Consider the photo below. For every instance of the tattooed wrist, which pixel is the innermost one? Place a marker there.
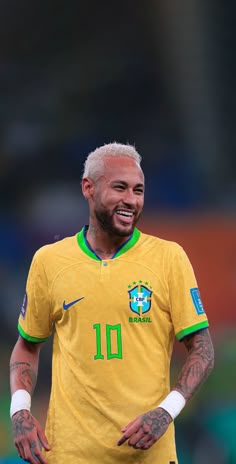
(25, 375)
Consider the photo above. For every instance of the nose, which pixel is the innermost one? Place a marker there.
(129, 197)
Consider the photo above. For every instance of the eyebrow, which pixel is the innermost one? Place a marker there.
(126, 184)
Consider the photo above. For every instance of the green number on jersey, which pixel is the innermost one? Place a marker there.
(116, 329)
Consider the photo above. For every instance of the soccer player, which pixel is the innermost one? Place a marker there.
(115, 299)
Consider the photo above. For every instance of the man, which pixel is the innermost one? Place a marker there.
(115, 298)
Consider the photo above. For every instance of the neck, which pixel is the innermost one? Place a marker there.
(103, 244)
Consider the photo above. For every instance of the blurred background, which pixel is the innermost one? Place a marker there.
(160, 75)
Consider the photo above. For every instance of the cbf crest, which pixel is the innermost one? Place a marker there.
(140, 297)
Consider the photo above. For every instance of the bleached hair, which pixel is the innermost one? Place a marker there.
(94, 163)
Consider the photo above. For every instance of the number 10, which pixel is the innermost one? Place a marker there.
(109, 329)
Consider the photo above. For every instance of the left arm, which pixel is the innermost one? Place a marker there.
(146, 429)
(198, 365)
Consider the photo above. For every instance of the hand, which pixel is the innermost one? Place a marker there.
(145, 430)
(28, 436)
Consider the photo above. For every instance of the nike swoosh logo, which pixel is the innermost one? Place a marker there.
(68, 305)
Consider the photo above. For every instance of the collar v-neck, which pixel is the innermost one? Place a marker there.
(86, 248)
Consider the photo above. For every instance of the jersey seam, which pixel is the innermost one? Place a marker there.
(49, 289)
(171, 260)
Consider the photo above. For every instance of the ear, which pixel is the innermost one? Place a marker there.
(87, 188)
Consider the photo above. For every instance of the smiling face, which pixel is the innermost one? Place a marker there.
(116, 198)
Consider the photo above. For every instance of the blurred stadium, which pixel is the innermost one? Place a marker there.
(160, 75)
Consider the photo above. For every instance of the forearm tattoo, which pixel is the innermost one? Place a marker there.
(22, 423)
(26, 375)
(198, 365)
(155, 422)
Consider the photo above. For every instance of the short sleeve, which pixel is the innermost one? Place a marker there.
(35, 320)
(187, 311)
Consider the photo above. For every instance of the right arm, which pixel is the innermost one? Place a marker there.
(24, 365)
(28, 433)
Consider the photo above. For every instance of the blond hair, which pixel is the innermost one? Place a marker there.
(94, 162)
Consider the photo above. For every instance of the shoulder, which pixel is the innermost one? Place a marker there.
(160, 244)
(50, 259)
(157, 252)
(61, 247)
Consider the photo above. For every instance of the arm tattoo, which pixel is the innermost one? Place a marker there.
(29, 378)
(22, 423)
(15, 365)
(198, 365)
(26, 375)
(155, 422)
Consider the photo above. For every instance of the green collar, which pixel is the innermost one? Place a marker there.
(85, 247)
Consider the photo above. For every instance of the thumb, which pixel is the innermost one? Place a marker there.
(43, 439)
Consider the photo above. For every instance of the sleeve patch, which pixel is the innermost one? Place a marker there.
(24, 306)
(197, 301)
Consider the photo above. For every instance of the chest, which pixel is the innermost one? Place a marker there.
(125, 289)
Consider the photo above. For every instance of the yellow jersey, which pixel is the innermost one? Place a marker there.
(114, 324)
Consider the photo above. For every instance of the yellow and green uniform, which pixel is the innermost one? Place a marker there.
(114, 326)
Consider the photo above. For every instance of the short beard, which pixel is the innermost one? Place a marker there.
(106, 222)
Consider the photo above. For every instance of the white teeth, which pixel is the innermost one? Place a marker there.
(124, 213)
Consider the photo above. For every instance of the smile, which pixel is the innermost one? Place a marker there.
(121, 212)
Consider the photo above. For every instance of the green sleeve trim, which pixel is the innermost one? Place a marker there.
(29, 338)
(192, 329)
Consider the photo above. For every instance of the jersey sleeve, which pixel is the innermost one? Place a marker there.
(35, 320)
(187, 311)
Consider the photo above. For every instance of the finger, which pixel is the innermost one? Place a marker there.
(140, 444)
(21, 450)
(136, 437)
(38, 454)
(43, 439)
(29, 457)
(128, 433)
(149, 443)
(121, 440)
(133, 427)
(128, 425)
(124, 428)
(18, 449)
